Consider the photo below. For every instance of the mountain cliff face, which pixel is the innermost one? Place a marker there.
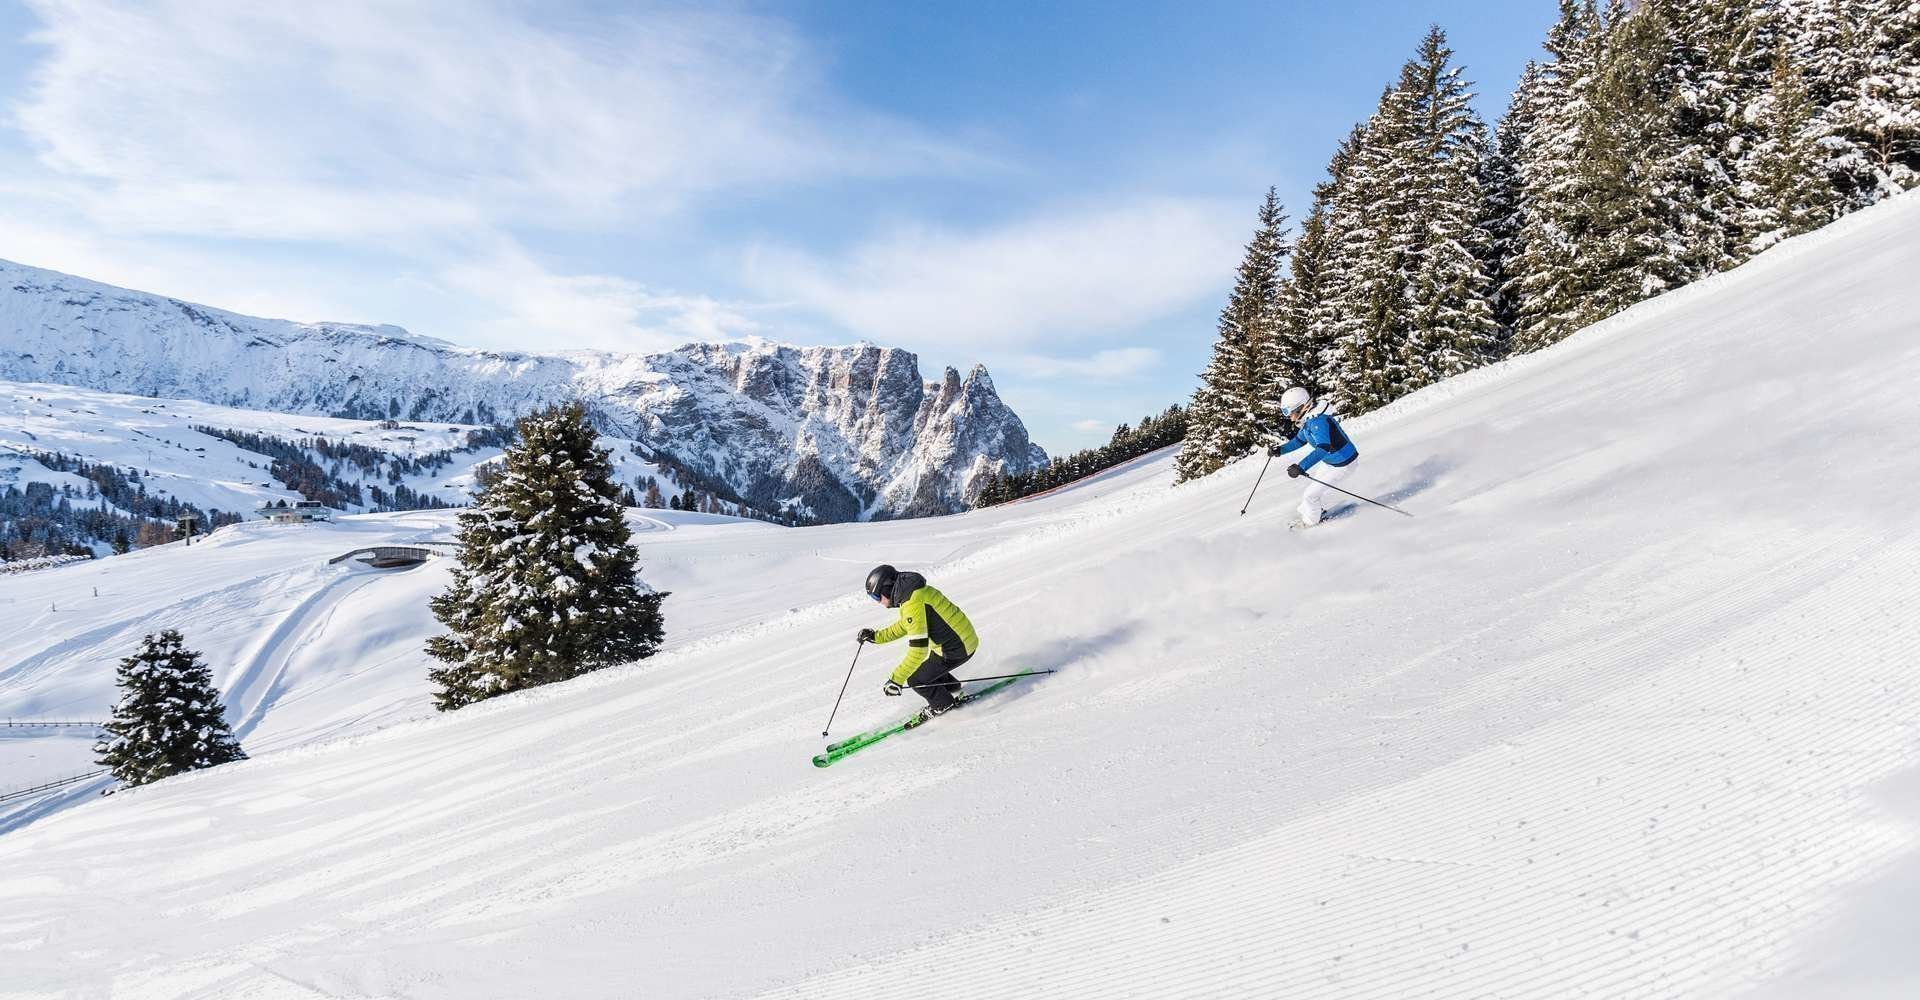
(843, 432)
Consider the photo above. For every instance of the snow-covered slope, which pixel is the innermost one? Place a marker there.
(308, 649)
(1627, 710)
(157, 437)
(848, 431)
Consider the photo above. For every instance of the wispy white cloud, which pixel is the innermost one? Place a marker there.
(252, 285)
(503, 298)
(398, 163)
(358, 119)
(1030, 284)
(526, 304)
(1110, 365)
(164, 140)
(1089, 426)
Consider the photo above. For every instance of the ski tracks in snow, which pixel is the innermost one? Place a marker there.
(1667, 839)
(253, 689)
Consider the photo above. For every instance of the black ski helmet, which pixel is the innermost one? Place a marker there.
(880, 581)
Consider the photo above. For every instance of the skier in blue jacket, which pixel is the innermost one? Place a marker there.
(1332, 450)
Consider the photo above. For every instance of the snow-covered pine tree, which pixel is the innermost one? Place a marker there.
(1304, 332)
(1189, 463)
(1876, 114)
(169, 719)
(1231, 399)
(1548, 280)
(1697, 198)
(1624, 189)
(1784, 185)
(1719, 66)
(546, 588)
(1827, 46)
(1629, 253)
(1405, 285)
(1505, 217)
(1645, 164)
(1296, 346)
(1364, 305)
(1452, 327)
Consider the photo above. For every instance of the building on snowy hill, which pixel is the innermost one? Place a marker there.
(302, 512)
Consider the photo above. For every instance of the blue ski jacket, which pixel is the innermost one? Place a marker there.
(1330, 444)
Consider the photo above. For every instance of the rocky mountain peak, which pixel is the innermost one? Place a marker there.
(845, 432)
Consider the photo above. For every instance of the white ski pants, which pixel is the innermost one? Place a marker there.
(1314, 499)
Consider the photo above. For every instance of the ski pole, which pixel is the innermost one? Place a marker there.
(1256, 485)
(843, 686)
(1357, 496)
(970, 680)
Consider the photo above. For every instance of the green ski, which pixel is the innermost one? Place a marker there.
(861, 741)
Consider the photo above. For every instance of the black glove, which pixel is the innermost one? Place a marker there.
(1273, 451)
(1294, 471)
(892, 689)
(866, 635)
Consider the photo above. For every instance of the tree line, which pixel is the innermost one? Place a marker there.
(295, 464)
(1152, 433)
(1657, 142)
(113, 509)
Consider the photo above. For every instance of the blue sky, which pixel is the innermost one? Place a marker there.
(1058, 190)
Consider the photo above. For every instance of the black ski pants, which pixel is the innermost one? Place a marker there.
(935, 682)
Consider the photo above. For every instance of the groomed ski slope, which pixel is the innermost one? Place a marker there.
(305, 648)
(1628, 710)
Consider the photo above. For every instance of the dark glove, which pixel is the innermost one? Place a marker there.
(1294, 471)
(1273, 451)
(892, 689)
(866, 635)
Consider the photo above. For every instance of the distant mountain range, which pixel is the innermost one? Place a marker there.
(842, 433)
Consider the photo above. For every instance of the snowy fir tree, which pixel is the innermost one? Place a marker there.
(1547, 283)
(169, 719)
(1669, 139)
(1875, 115)
(1407, 297)
(1303, 333)
(1639, 158)
(1505, 215)
(1609, 177)
(1359, 314)
(1658, 142)
(1451, 326)
(1229, 414)
(1784, 188)
(547, 587)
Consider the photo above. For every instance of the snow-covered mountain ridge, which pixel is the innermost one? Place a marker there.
(847, 432)
(204, 456)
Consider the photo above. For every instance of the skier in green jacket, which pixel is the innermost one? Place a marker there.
(939, 637)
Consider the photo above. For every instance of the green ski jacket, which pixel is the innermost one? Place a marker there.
(929, 622)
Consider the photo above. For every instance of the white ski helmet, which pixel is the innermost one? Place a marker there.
(1295, 399)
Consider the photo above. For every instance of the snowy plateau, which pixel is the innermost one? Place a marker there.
(840, 433)
(1630, 708)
